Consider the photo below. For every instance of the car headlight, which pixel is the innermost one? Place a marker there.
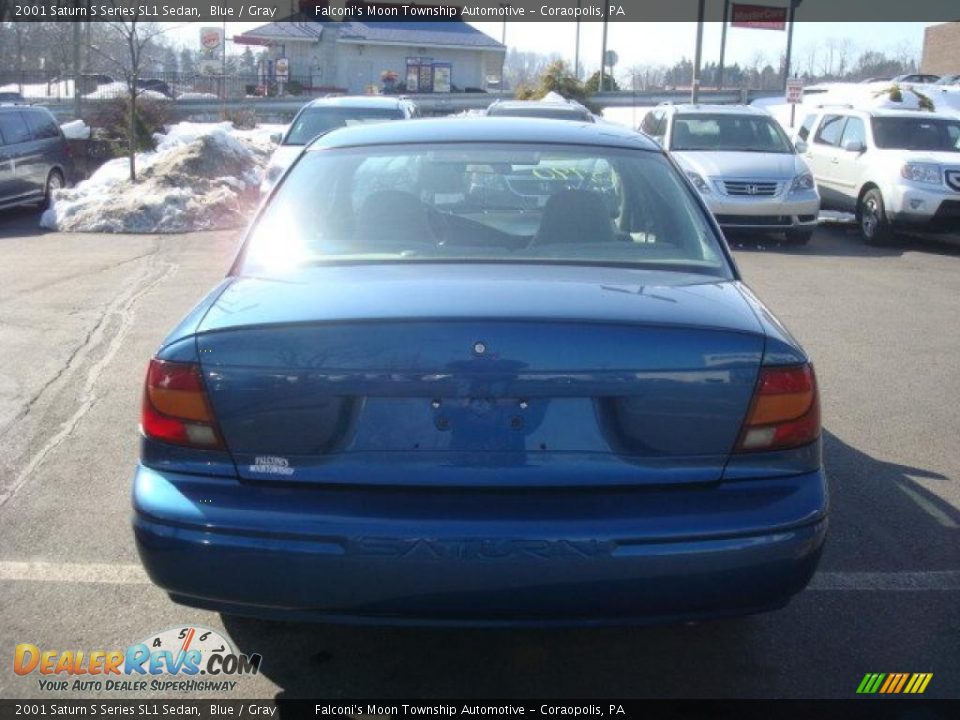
(802, 182)
(698, 182)
(922, 173)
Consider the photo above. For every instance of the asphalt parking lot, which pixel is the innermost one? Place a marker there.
(81, 314)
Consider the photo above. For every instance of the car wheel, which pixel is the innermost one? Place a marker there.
(54, 182)
(872, 218)
(799, 237)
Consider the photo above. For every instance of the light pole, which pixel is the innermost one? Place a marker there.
(723, 43)
(695, 89)
(576, 51)
(603, 48)
(794, 4)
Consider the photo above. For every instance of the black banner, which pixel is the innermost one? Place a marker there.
(866, 709)
(449, 10)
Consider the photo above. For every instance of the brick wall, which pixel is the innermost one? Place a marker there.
(941, 49)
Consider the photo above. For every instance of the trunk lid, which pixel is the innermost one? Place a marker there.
(433, 375)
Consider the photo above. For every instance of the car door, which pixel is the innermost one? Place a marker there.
(823, 158)
(16, 151)
(849, 165)
(48, 144)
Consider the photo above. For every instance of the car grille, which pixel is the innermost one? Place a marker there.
(953, 179)
(751, 188)
(754, 220)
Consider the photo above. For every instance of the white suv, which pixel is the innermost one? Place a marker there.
(893, 168)
(743, 164)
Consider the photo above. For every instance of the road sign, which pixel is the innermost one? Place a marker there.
(211, 38)
(611, 58)
(794, 91)
(759, 17)
(281, 69)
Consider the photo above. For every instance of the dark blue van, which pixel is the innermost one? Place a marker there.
(34, 156)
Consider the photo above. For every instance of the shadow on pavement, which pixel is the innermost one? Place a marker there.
(882, 520)
(839, 240)
(20, 222)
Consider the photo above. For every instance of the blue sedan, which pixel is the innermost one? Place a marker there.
(481, 371)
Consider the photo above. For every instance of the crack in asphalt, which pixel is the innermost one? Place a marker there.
(120, 310)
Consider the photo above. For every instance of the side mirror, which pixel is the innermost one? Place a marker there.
(854, 146)
(801, 146)
(276, 137)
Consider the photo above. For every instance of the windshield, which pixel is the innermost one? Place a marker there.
(722, 132)
(484, 202)
(318, 120)
(916, 133)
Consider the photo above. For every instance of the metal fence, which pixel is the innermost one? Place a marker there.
(38, 85)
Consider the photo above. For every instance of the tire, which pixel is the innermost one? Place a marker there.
(798, 237)
(54, 182)
(872, 219)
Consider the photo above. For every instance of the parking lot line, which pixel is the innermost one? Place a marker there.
(130, 574)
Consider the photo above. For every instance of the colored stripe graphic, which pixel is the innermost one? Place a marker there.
(894, 683)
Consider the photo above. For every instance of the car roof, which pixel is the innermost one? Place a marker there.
(881, 112)
(534, 131)
(688, 109)
(359, 101)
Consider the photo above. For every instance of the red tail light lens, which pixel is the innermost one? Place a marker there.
(785, 412)
(175, 406)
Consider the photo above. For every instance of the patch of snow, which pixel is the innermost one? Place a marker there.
(54, 89)
(202, 176)
(118, 89)
(197, 96)
(76, 130)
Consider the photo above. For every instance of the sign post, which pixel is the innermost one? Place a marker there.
(281, 70)
(794, 96)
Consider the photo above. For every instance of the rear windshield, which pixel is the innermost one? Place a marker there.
(316, 121)
(739, 133)
(484, 202)
(560, 113)
(916, 133)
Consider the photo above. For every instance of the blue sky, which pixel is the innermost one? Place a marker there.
(665, 43)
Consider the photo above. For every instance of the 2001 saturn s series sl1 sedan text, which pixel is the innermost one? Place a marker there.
(478, 371)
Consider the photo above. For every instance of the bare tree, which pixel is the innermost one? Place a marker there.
(132, 43)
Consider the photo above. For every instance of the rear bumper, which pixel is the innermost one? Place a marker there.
(547, 557)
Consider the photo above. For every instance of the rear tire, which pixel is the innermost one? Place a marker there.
(54, 182)
(798, 237)
(872, 219)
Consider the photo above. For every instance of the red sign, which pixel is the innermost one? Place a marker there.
(759, 17)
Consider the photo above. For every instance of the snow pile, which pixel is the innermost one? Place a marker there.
(202, 176)
(37, 91)
(197, 96)
(75, 130)
(119, 89)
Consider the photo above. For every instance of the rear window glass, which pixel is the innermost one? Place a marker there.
(13, 128)
(485, 202)
(917, 133)
(43, 126)
(316, 121)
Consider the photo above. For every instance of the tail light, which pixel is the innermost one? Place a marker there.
(785, 412)
(175, 406)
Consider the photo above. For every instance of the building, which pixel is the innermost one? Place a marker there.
(361, 57)
(941, 49)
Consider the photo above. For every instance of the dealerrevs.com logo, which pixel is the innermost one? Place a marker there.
(181, 659)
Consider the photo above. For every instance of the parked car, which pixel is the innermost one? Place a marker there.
(566, 110)
(325, 114)
(743, 164)
(34, 157)
(404, 405)
(948, 80)
(156, 85)
(8, 96)
(896, 169)
(917, 78)
(885, 78)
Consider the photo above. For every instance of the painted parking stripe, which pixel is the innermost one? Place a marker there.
(131, 574)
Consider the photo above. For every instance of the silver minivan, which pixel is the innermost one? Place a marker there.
(34, 156)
